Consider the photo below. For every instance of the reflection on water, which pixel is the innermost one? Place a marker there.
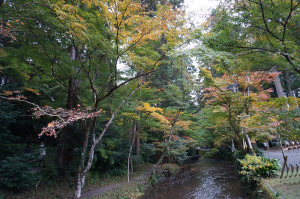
(208, 178)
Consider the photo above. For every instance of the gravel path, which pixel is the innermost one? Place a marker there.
(293, 156)
(102, 190)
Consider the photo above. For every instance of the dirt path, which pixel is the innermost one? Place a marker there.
(102, 190)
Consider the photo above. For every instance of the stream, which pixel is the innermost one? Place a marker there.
(208, 178)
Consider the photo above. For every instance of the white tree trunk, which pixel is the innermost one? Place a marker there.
(267, 142)
(83, 169)
(79, 186)
(232, 147)
(278, 85)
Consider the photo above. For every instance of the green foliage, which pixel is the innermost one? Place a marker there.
(239, 154)
(211, 153)
(252, 169)
(154, 177)
(172, 168)
(177, 148)
(111, 153)
(51, 172)
(7, 116)
(256, 167)
(147, 150)
(225, 153)
(14, 173)
(258, 151)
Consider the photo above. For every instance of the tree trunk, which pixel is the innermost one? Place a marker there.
(131, 165)
(65, 154)
(129, 153)
(138, 139)
(83, 168)
(232, 146)
(78, 187)
(288, 83)
(248, 141)
(236, 133)
(267, 142)
(278, 85)
(240, 146)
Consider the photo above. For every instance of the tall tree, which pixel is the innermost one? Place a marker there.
(258, 28)
(99, 35)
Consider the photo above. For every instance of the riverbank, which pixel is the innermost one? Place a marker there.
(136, 187)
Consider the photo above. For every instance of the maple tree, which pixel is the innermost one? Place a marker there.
(97, 35)
(231, 97)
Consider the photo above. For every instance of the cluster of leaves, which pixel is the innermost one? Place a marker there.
(65, 117)
(172, 168)
(147, 151)
(254, 166)
(278, 116)
(177, 147)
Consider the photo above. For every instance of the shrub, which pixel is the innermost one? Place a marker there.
(225, 153)
(51, 172)
(251, 168)
(239, 154)
(147, 151)
(254, 166)
(211, 153)
(172, 168)
(14, 173)
(258, 151)
(154, 177)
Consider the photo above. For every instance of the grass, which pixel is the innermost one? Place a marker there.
(287, 187)
(132, 190)
(94, 181)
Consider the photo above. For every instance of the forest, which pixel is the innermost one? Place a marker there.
(106, 86)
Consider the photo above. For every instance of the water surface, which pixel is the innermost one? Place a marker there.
(208, 178)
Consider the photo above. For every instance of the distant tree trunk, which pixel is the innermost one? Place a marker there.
(246, 129)
(236, 133)
(288, 83)
(129, 161)
(278, 85)
(65, 149)
(138, 138)
(232, 146)
(267, 142)
(131, 165)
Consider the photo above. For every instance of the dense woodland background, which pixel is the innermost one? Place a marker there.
(108, 85)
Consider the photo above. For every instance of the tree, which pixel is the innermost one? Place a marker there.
(261, 29)
(232, 96)
(123, 32)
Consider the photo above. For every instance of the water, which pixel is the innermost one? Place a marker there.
(208, 178)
